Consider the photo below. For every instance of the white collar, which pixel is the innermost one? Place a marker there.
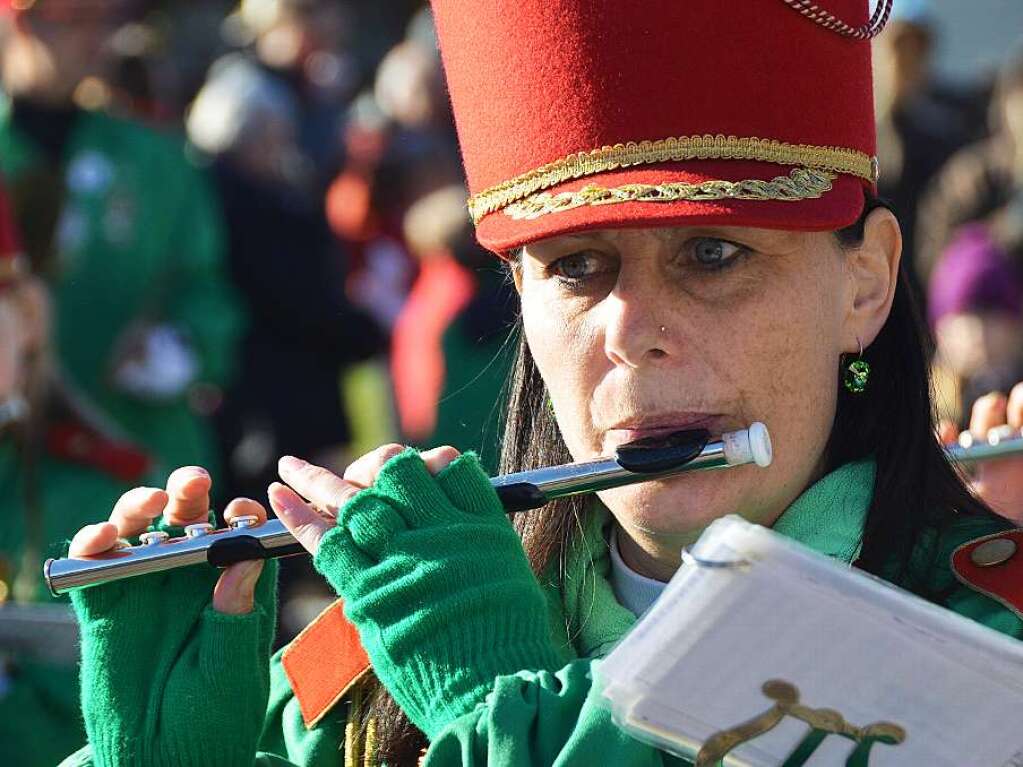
(634, 591)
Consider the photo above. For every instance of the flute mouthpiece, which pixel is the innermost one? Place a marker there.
(752, 445)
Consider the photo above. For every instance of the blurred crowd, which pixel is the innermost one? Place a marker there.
(230, 232)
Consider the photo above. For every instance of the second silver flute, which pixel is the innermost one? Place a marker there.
(638, 461)
(1001, 442)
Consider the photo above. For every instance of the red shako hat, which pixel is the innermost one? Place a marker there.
(590, 114)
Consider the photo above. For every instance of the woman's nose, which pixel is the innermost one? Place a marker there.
(636, 333)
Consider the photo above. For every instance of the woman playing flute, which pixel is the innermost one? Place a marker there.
(731, 265)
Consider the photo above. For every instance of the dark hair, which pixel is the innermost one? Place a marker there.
(916, 487)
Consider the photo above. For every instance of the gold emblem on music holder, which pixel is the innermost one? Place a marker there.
(823, 723)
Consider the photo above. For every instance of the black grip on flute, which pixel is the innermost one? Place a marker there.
(522, 496)
(242, 548)
(653, 455)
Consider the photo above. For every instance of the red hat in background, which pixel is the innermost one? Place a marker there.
(64, 10)
(585, 114)
(12, 261)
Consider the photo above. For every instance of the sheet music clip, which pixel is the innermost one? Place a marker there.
(769, 654)
(688, 558)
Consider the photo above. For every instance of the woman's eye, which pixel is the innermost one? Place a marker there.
(576, 266)
(715, 254)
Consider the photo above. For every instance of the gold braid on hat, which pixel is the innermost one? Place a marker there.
(815, 167)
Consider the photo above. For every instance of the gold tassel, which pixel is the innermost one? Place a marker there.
(353, 730)
(369, 758)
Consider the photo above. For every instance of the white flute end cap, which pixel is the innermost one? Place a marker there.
(752, 445)
(760, 445)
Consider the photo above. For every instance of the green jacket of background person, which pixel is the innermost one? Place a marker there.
(129, 235)
(46, 495)
(180, 702)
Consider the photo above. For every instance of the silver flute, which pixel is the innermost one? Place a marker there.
(1001, 442)
(245, 539)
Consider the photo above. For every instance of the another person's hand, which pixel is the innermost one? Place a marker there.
(175, 665)
(999, 482)
(432, 573)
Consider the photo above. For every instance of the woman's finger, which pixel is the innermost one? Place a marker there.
(235, 592)
(136, 510)
(322, 488)
(438, 458)
(244, 507)
(364, 470)
(1014, 408)
(304, 522)
(188, 489)
(94, 539)
(988, 413)
(948, 434)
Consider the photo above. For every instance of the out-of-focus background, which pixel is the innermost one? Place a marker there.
(233, 231)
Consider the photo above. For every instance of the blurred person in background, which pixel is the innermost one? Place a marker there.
(59, 466)
(123, 226)
(975, 308)
(187, 38)
(138, 66)
(399, 148)
(921, 120)
(291, 274)
(976, 313)
(304, 44)
(451, 354)
(983, 182)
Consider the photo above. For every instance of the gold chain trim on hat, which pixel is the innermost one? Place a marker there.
(800, 184)
(821, 158)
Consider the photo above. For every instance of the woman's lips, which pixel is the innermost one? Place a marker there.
(662, 426)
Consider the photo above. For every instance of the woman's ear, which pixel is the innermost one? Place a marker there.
(515, 268)
(873, 268)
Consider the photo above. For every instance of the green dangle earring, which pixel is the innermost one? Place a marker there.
(856, 374)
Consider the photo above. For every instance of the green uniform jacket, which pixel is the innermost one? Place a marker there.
(139, 238)
(39, 710)
(547, 718)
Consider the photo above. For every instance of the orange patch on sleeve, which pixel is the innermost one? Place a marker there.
(323, 662)
(1003, 581)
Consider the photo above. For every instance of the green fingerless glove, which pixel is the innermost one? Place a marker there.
(436, 581)
(167, 680)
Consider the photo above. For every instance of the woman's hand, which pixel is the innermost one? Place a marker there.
(309, 507)
(999, 482)
(432, 574)
(186, 501)
(175, 665)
